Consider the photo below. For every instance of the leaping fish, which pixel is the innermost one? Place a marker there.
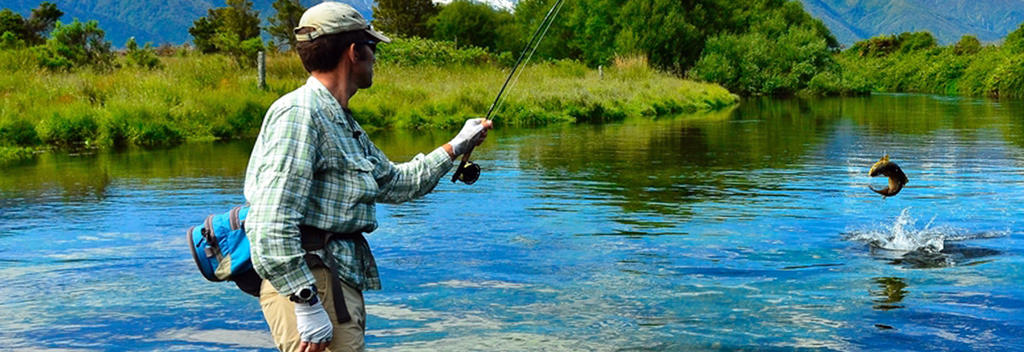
(897, 179)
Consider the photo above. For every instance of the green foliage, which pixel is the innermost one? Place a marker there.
(1007, 80)
(876, 46)
(416, 51)
(243, 52)
(915, 41)
(32, 30)
(209, 97)
(203, 31)
(284, 21)
(966, 68)
(968, 45)
(18, 132)
(10, 155)
(74, 45)
(469, 23)
(675, 36)
(233, 30)
(887, 44)
(1014, 42)
(9, 40)
(41, 22)
(73, 128)
(12, 24)
(404, 18)
(775, 58)
(145, 57)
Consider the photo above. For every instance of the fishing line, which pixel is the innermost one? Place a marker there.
(546, 26)
(468, 172)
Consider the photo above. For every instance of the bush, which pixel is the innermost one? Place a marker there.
(10, 155)
(145, 57)
(968, 45)
(18, 133)
(76, 44)
(9, 40)
(63, 130)
(418, 51)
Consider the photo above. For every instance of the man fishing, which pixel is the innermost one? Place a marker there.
(313, 181)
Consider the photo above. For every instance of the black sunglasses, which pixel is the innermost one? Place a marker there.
(372, 44)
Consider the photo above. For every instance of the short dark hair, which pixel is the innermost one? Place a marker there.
(324, 52)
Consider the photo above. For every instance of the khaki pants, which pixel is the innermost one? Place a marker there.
(280, 315)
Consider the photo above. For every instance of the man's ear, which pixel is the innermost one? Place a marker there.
(352, 53)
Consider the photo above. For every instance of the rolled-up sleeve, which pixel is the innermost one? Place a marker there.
(278, 184)
(410, 180)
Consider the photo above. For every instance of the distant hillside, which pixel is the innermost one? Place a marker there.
(853, 20)
(163, 21)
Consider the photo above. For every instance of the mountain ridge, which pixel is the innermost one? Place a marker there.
(947, 20)
(167, 21)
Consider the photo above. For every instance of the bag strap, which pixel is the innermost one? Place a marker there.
(315, 239)
(212, 247)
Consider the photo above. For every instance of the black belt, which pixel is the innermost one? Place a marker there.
(316, 239)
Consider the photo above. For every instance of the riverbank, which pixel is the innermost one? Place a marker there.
(915, 63)
(205, 97)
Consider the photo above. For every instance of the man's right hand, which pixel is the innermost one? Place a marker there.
(314, 325)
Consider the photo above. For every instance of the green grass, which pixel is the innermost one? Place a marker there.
(204, 97)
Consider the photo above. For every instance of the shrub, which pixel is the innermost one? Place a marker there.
(18, 133)
(63, 130)
(10, 155)
(145, 57)
(76, 44)
(9, 40)
(968, 45)
(417, 51)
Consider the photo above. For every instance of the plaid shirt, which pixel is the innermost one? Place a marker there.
(314, 165)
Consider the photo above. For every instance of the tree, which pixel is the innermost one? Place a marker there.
(233, 30)
(76, 44)
(469, 23)
(33, 30)
(11, 22)
(1014, 42)
(41, 21)
(968, 45)
(145, 57)
(203, 30)
(283, 23)
(406, 18)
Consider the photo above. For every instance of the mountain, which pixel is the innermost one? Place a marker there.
(947, 20)
(163, 21)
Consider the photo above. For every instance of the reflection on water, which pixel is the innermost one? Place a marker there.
(748, 229)
(893, 289)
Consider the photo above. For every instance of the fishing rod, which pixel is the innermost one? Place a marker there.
(468, 172)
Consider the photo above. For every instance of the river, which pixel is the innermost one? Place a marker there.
(751, 228)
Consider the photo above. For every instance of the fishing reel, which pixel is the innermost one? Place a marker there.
(468, 172)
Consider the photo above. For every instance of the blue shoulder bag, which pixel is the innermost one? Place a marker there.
(221, 250)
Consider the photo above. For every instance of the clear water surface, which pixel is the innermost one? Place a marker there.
(745, 229)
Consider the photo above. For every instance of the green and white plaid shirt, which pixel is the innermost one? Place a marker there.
(314, 165)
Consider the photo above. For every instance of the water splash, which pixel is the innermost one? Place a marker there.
(927, 247)
(903, 236)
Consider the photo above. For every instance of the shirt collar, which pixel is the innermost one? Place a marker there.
(333, 108)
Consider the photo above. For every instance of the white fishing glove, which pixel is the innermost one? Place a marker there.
(472, 134)
(313, 323)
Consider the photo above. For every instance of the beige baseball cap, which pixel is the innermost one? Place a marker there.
(331, 17)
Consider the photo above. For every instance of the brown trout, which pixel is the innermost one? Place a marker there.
(897, 179)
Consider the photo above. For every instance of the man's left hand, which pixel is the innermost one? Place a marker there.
(473, 133)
